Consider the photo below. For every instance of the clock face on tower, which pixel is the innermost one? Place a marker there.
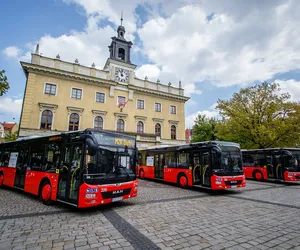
(122, 75)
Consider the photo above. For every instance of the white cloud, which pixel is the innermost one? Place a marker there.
(10, 106)
(237, 44)
(234, 47)
(190, 119)
(149, 70)
(12, 51)
(292, 87)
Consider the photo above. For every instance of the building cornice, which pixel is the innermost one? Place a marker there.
(158, 93)
(34, 68)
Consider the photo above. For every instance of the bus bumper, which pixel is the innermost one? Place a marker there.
(95, 195)
(291, 176)
(227, 182)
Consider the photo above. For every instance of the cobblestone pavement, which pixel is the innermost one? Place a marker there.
(264, 215)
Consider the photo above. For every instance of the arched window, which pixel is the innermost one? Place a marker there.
(121, 54)
(140, 127)
(98, 122)
(173, 132)
(120, 125)
(157, 129)
(74, 122)
(46, 121)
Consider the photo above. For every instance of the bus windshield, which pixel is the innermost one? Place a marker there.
(110, 165)
(295, 163)
(231, 160)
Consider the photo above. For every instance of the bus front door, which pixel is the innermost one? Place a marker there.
(69, 175)
(159, 166)
(21, 167)
(205, 169)
(196, 168)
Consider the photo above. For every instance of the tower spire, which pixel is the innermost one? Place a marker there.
(121, 17)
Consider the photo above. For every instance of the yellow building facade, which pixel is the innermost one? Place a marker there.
(63, 96)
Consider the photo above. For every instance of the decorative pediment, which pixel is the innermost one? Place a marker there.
(158, 120)
(47, 106)
(142, 118)
(121, 115)
(75, 109)
(99, 112)
(173, 122)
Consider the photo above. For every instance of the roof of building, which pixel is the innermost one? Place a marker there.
(8, 125)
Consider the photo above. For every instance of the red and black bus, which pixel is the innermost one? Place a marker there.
(215, 165)
(272, 164)
(83, 168)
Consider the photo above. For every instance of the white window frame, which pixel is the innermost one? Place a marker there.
(100, 93)
(40, 120)
(118, 98)
(70, 113)
(175, 109)
(72, 92)
(137, 104)
(116, 125)
(94, 117)
(160, 107)
(176, 131)
(161, 128)
(143, 127)
(56, 90)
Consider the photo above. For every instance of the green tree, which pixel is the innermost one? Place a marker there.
(4, 85)
(260, 117)
(11, 137)
(204, 129)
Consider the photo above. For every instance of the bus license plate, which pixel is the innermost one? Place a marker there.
(117, 199)
(234, 186)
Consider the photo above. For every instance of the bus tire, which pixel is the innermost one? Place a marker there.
(142, 174)
(182, 181)
(258, 176)
(45, 192)
(1, 179)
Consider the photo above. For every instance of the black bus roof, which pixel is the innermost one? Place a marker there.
(64, 134)
(270, 149)
(193, 145)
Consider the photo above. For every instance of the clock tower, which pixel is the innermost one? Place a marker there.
(118, 63)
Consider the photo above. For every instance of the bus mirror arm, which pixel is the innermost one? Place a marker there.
(92, 146)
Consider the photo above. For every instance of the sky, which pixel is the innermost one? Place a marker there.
(214, 47)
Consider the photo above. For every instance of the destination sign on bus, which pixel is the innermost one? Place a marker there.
(106, 139)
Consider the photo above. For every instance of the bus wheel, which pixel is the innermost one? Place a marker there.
(258, 176)
(142, 174)
(45, 193)
(1, 180)
(182, 181)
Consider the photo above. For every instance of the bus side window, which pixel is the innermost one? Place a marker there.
(36, 161)
(249, 160)
(5, 158)
(183, 160)
(261, 160)
(52, 157)
(1, 153)
(170, 160)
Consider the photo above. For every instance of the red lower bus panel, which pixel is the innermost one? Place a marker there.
(147, 171)
(9, 175)
(33, 180)
(291, 176)
(171, 175)
(227, 182)
(92, 195)
(249, 171)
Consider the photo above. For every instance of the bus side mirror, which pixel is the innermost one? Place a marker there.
(92, 148)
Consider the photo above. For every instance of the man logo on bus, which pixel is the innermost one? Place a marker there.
(117, 192)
